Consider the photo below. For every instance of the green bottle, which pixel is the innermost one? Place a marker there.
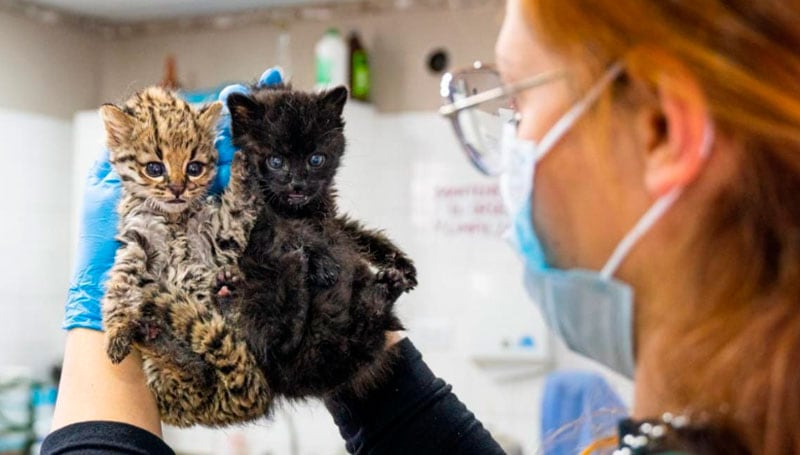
(359, 69)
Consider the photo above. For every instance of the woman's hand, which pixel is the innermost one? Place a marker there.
(392, 338)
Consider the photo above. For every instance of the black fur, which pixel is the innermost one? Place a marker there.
(319, 289)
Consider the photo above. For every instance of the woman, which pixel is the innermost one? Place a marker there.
(702, 126)
(668, 158)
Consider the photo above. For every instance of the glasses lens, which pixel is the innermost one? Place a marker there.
(479, 128)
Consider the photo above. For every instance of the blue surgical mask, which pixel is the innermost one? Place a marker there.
(590, 310)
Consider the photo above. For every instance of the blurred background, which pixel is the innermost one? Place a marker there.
(403, 172)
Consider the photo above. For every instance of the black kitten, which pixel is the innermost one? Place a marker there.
(319, 289)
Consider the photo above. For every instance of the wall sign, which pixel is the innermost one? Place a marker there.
(470, 209)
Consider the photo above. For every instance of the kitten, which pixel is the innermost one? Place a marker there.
(312, 308)
(178, 248)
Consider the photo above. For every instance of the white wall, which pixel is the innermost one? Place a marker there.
(34, 261)
(49, 70)
(48, 73)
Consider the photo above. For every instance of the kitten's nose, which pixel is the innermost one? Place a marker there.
(298, 185)
(176, 188)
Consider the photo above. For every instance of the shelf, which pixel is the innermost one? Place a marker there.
(511, 356)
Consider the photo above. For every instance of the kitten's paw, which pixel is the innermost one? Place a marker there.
(227, 280)
(150, 324)
(224, 292)
(409, 272)
(389, 275)
(118, 344)
(390, 280)
(142, 326)
(228, 276)
(396, 280)
(323, 271)
(148, 331)
(224, 297)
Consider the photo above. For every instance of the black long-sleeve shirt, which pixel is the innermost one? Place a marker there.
(413, 412)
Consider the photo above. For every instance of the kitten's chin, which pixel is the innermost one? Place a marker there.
(172, 207)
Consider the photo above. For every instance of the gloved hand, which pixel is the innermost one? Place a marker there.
(224, 142)
(97, 245)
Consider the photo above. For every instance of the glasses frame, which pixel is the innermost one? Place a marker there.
(454, 106)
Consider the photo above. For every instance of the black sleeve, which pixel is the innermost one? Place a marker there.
(96, 438)
(413, 412)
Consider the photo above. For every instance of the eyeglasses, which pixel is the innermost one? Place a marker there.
(479, 104)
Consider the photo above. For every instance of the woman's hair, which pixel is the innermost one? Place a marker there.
(736, 357)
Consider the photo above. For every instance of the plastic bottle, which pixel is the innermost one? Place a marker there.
(330, 58)
(284, 59)
(359, 68)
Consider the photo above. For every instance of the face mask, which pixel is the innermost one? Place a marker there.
(518, 159)
(589, 310)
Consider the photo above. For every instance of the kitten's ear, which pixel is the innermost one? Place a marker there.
(335, 98)
(209, 115)
(119, 125)
(243, 108)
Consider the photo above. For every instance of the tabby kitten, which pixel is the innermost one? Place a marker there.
(177, 248)
(318, 289)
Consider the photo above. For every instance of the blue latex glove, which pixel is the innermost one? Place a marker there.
(97, 245)
(578, 407)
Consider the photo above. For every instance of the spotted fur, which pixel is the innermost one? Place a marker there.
(174, 241)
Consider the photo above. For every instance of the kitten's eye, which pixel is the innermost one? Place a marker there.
(154, 169)
(275, 162)
(194, 168)
(316, 160)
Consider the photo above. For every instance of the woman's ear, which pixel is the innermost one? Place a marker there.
(680, 130)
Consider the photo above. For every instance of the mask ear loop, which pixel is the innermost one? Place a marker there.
(652, 215)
